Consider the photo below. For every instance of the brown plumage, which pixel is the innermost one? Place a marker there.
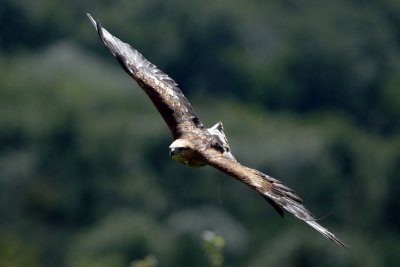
(194, 145)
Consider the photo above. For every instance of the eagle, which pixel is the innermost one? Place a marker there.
(195, 145)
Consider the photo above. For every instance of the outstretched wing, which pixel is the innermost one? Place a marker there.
(162, 90)
(279, 195)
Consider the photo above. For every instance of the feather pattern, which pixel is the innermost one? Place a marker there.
(274, 191)
(291, 202)
(162, 90)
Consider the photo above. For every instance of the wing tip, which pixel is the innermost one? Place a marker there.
(108, 39)
(92, 20)
(333, 238)
(97, 26)
(282, 197)
(325, 232)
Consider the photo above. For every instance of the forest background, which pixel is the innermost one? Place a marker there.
(308, 92)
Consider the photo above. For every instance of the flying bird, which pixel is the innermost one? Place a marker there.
(195, 145)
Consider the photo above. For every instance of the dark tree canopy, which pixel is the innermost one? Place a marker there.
(308, 93)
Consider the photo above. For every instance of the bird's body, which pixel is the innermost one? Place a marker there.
(185, 149)
(194, 145)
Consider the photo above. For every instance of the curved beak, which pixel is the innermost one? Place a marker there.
(171, 151)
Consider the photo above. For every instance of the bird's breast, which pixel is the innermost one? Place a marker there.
(188, 161)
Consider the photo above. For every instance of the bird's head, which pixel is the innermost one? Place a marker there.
(184, 152)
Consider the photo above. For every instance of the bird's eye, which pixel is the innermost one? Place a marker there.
(180, 149)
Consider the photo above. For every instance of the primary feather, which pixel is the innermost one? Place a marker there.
(274, 191)
(162, 90)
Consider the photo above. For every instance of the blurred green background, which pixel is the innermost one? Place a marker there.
(309, 92)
